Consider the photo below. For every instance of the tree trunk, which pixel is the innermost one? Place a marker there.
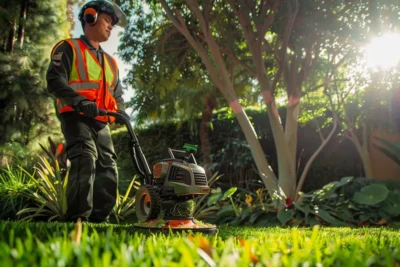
(265, 171)
(4, 45)
(286, 168)
(22, 19)
(364, 155)
(366, 160)
(210, 105)
(292, 117)
(11, 37)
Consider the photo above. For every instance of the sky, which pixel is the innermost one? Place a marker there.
(111, 47)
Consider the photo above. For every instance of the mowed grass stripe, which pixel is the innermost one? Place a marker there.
(51, 244)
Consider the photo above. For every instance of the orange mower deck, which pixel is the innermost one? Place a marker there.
(177, 225)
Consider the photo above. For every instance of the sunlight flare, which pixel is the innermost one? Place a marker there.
(383, 51)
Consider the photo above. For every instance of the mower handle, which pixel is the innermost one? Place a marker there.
(103, 112)
(138, 158)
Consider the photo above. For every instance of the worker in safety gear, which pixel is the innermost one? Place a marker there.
(85, 79)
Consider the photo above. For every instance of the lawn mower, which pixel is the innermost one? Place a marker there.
(165, 200)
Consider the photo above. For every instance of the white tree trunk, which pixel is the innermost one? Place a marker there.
(265, 170)
(364, 155)
(286, 167)
(292, 116)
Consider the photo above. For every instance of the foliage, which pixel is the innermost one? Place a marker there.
(390, 149)
(338, 160)
(15, 154)
(233, 158)
(13, 184)
(107, 245)
(16, 182)
(56, 154)
(172, 80)
(242, 208)
(49, 198)
(202, 210)
(285, 50)
(28, 30)
(125, 204)
(350, 201)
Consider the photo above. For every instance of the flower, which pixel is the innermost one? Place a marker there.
(249, 199)
(288, 202)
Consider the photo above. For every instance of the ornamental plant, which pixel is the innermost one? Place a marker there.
(49, 196)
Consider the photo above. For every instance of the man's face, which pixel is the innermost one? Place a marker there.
(102, 29)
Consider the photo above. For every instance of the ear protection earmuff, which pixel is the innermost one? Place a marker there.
(90, 16)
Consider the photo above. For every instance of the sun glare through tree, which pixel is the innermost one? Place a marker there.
(383, 52)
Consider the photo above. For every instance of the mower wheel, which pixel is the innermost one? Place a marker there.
(148, 203)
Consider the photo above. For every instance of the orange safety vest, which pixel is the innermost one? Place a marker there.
(87, 79)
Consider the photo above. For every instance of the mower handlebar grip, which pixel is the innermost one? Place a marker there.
(126, 120)
(103, 112)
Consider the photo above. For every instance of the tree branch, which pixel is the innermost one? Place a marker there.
(286, 68)
(171, 16)
(270, 18)
(207, 10)
(215, 50)
(180, 24)
(236, 60)
(313, 157)
(245, 22)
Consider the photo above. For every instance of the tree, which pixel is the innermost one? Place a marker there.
(28, 31)
(171, 82)
(360, 96)
(284, 41)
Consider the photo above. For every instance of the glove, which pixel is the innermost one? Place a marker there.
(120, 120)
(88, 108)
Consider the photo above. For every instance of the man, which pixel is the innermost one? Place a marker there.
(85, 79)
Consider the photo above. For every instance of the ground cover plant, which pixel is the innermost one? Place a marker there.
(56, 244)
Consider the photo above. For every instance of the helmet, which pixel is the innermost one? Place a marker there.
(90, 11)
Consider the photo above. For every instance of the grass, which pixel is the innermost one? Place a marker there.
(51, 244)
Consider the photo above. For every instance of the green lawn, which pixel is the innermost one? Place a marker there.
(50, 244)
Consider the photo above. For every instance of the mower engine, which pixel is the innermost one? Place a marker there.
(175, 180)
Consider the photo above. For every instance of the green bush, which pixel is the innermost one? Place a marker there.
(49, 196)
(125, 204)
(348, 202)
(14, 183)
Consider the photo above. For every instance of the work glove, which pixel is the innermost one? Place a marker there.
(88, 108)
(120, 120)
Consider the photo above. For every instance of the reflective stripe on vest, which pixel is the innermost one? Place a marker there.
(84, 86)
(79, 62)
(87, 78)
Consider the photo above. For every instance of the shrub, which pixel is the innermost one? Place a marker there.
(13, 184)
(125, 205)
(350, 201)
(49, 198)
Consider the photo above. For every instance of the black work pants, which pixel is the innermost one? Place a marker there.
(93, 178)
